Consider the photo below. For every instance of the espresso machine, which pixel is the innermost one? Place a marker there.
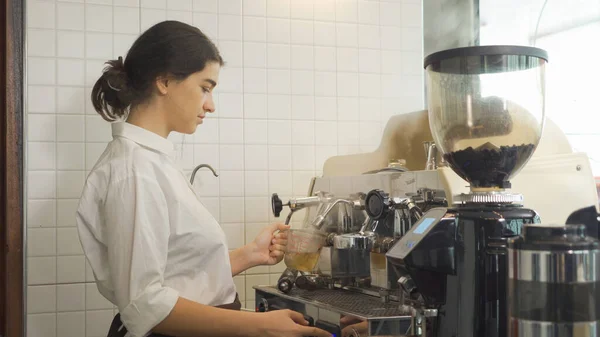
(391, 253)
(337, 274)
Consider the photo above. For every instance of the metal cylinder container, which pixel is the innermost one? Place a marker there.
(554, 282)
(351, 254)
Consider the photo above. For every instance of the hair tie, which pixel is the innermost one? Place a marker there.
(120, 67)
(110, 86)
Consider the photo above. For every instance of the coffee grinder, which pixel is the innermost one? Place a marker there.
(486, 114)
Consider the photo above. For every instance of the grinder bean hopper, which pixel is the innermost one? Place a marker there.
(486, 110)
(486, 114)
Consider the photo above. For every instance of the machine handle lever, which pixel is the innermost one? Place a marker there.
(276, 205)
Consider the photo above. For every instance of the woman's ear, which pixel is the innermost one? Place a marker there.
(162, 84)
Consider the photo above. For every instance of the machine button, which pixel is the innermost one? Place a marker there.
(263, 305)
(329, 327)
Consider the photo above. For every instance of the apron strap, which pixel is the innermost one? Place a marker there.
(236, 305)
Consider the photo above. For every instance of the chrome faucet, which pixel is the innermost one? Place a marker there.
(199, 167)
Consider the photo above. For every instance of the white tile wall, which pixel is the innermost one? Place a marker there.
(304, 80)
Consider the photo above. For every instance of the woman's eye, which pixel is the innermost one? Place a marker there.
(206, 90)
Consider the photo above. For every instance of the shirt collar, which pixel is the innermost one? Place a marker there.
(143, 137)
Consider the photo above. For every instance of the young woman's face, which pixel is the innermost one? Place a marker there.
(189, 100)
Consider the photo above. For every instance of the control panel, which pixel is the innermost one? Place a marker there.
(418, 231)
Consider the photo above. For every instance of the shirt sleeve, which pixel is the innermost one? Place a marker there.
(137, 232)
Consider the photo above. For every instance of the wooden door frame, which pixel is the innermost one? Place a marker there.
(12, 167)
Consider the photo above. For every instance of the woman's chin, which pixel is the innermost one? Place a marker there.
(190, 129)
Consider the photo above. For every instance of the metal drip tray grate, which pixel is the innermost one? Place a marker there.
(345, 301)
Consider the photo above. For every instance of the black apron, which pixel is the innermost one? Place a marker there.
(117, 324)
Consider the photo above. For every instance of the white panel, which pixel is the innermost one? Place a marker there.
(70, 16)
(255, 7)
(256, 158)
(70, 324)
(41, 213)
(41, 325)
(41, 156)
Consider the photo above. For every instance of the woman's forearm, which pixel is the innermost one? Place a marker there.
(192, 319)
(241, 259)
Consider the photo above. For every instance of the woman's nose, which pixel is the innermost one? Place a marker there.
(209, 105)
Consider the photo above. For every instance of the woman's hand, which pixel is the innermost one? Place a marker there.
(286, 323)
(266, 249)
(269, 245)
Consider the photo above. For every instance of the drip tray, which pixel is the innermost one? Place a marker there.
(342, 301)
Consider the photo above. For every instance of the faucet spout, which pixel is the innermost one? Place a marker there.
(199, 167)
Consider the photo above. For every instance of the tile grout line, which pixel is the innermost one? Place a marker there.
(218, 121)
(243, 146)
(337, 71)
(314, 123)
(85, 137)
(291, 96)
(56, 162)
(267, 99)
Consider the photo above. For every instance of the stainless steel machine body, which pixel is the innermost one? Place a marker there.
(353, 286)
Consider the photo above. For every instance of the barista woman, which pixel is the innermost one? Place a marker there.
(155, 250)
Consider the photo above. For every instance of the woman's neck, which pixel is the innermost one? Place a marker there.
(151, 118)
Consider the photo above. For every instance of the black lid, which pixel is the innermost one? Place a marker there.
(376, 204)
(485, 59)
(554, 238)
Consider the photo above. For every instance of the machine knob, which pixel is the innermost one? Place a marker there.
(285, 285)
(286, 281)
(377, 204)
(407, 284)
(307, 282)
(276, 205)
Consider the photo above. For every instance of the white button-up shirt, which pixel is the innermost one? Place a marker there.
(146, 235)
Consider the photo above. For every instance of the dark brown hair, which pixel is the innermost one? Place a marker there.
(169, 48)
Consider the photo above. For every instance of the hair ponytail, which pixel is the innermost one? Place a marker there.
(112, 93)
